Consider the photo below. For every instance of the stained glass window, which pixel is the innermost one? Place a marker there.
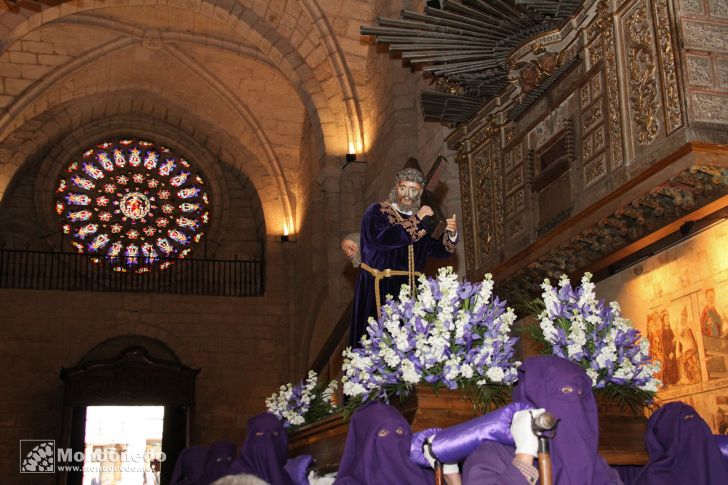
(134, 204)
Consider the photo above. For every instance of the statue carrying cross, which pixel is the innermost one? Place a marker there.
(397, 237)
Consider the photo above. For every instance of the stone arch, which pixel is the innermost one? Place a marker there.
(273, 162)
(252, 22)
(33, 140)
(76, 352)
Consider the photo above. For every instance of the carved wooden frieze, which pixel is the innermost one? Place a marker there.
(486, 185)
(710, 107)
(641, 74)
(705, 36)
(700, 70)
(670, 87)
(593, 140)
(685, 192)
(466, 202)
(691, 6)
(722, 72)
(613, 100)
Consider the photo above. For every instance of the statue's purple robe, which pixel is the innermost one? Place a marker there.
(385, 236)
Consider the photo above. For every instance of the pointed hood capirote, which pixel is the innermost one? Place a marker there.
(377, 450)
(563, 388)
(265, 451)
(682, 449)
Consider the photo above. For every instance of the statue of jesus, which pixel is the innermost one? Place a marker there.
(394, 247)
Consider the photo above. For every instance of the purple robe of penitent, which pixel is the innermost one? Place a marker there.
(564, 389)
(265, 451)
(385, 237)
(377, 450)
(682, 449)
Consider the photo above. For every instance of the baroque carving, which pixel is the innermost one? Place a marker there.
(699, 71)
(709, 37)
(593, 171)
(585, 96)
(600, 22)
(515, 227)
(596, 51)
(670, 87)
(515, 203)
(595, 85)
(692, 188)
(586, 147)
(467, 210)
(514, 180)
(489, 130)
(592, 116)
(723, 72)
(598, 139)
(691, 6)
(719, 8)
(615, 126)
(510, 132)
(710, 107)
(641, 73)
(485, 194)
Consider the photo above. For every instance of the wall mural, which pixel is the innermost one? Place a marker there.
(678, 298)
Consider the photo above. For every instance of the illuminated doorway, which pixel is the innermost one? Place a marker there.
(145, 380)
(123, 445)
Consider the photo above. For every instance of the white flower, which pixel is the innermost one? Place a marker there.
(495, 374)
(593, 375)
(409, 373)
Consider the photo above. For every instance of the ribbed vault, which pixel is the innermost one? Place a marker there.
(256, 71)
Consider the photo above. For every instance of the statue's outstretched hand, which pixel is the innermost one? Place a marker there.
(452, 224)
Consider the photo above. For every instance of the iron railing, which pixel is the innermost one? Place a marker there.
(45, 270)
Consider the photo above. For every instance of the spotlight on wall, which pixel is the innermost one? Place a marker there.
(351, 158)
(285, 237)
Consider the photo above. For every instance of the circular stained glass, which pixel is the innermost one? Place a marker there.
(134, 204)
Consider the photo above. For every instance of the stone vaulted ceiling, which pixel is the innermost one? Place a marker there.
(237, 80)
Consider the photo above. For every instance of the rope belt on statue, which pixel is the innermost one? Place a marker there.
(379, 275)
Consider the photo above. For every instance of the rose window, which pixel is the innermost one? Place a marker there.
(133, 204)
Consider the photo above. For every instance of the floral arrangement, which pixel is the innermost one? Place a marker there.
(574, 325)
(450, 334)
(303, 403)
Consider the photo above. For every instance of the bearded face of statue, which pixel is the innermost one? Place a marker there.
(408, 195)
(351, 249)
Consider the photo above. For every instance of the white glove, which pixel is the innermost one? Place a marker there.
(447, 468)
(526, 441)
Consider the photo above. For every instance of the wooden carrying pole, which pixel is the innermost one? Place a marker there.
(544, 461)
(439, 476)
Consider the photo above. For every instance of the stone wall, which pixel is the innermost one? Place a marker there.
(240, 345)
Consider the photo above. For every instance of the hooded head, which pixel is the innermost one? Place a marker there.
(377, 449)
(219, 456)
(563, 388)
(190, 465)
(682, 449)
(265, 450)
